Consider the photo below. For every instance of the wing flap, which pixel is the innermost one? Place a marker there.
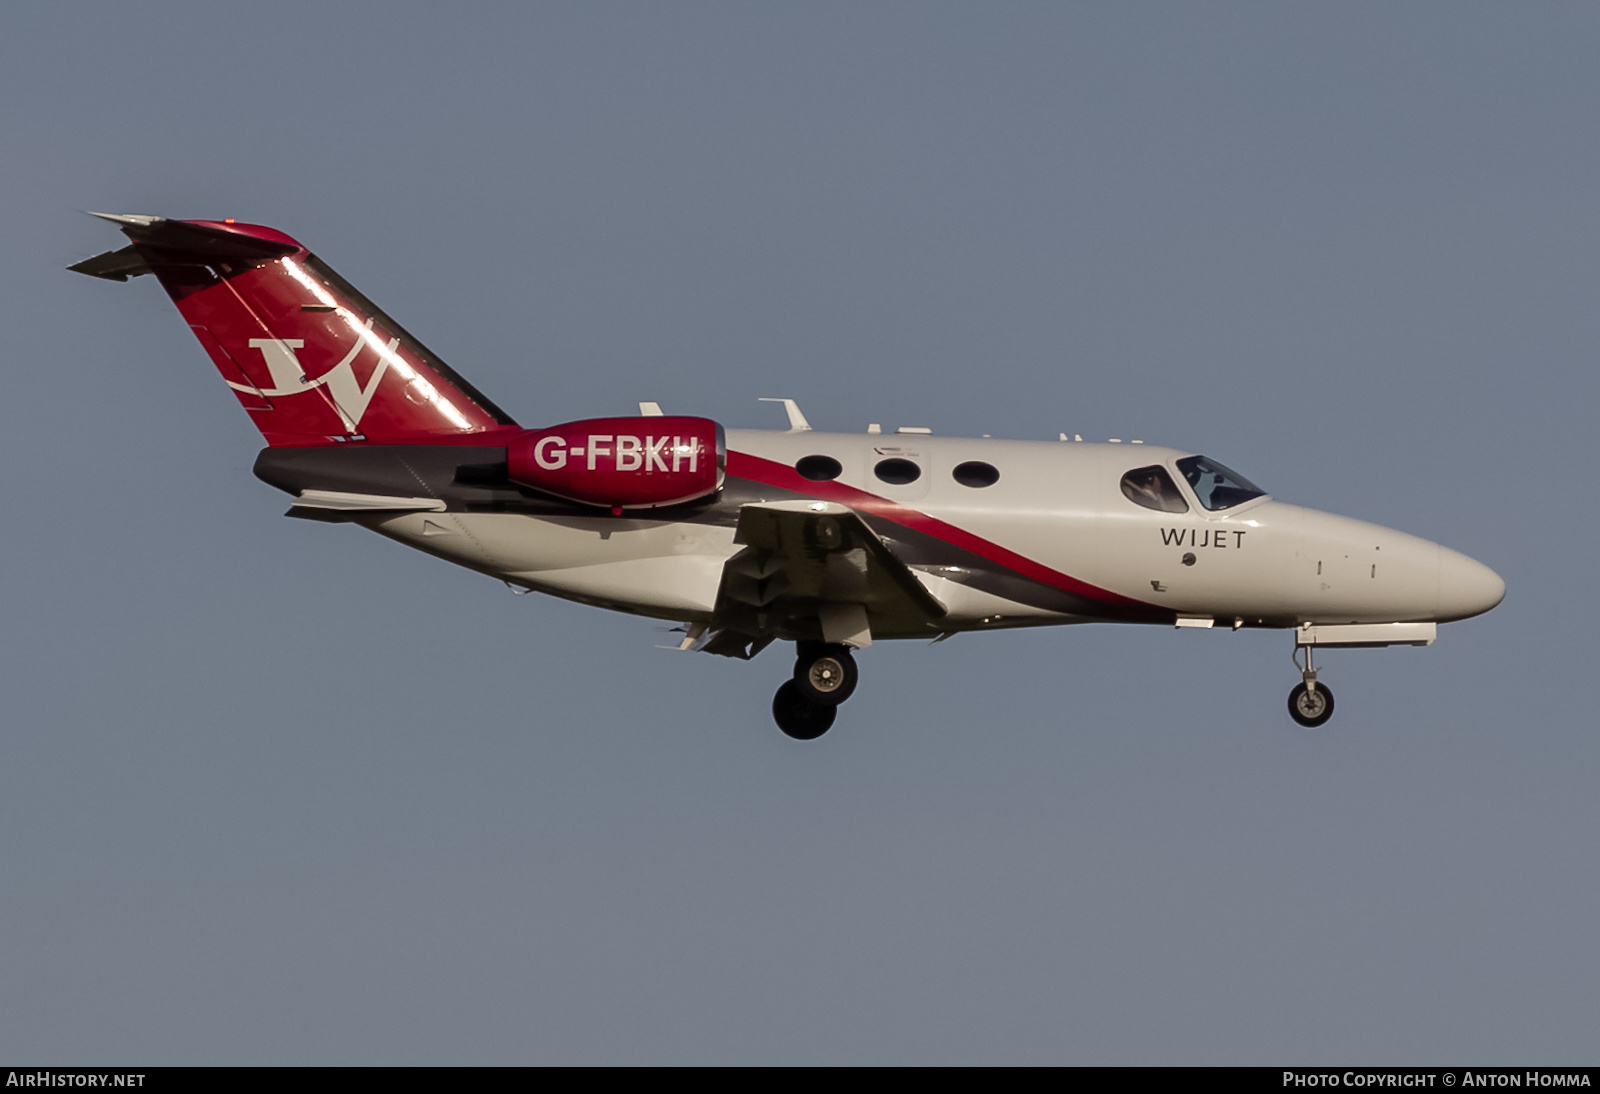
(813, 569)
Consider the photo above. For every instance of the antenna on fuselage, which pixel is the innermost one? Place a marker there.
(797, 420)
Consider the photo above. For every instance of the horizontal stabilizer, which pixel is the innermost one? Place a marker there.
(137, 220)
(114, 265)
(205, 239)
(184, 239)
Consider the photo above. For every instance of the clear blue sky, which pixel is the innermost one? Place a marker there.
(277, 792)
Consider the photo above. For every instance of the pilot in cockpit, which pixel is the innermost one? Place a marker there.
(1149, 485)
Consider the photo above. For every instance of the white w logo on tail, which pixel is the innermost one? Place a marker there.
(349, 398)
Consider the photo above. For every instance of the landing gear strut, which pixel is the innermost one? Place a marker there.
(1310, 703)
(824, 676)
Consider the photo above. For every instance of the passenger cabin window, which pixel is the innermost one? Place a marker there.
(1153, 488)
(819, 468)
(897, 471)
(976, 473)
(1216, 486)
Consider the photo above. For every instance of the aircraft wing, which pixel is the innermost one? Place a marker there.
(813, 570)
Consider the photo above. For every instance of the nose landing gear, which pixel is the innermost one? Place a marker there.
(1310, 703)
(824, 676)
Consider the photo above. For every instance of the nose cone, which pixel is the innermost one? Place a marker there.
(1466, 586)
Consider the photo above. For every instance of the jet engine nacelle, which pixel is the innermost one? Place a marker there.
(622, 463)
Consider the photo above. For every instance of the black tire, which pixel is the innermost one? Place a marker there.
(798, 717)
(826, 675)
(1310, 711)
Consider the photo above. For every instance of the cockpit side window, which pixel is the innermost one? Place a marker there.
(1153, 488)
(1215, 485)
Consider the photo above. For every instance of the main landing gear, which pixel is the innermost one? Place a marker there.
(1310, 703)
(824, 676)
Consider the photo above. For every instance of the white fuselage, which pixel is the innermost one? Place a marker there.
(1058, 506)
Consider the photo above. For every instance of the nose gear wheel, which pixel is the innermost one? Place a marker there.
(1311, 708)
(1310, 703)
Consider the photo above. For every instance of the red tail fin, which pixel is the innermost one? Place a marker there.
(312, 360)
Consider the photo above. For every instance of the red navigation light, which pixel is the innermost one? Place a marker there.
(228, 220)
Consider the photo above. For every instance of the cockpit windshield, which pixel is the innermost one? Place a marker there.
(1153, 488)
(1216, 486)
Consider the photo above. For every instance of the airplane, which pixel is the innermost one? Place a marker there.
(742, 537)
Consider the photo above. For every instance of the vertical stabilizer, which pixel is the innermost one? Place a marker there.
(310, 359)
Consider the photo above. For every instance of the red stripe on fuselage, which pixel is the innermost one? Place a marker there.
(781, 475)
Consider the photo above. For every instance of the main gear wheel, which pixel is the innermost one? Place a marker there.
(825, 674)
(798, 716)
